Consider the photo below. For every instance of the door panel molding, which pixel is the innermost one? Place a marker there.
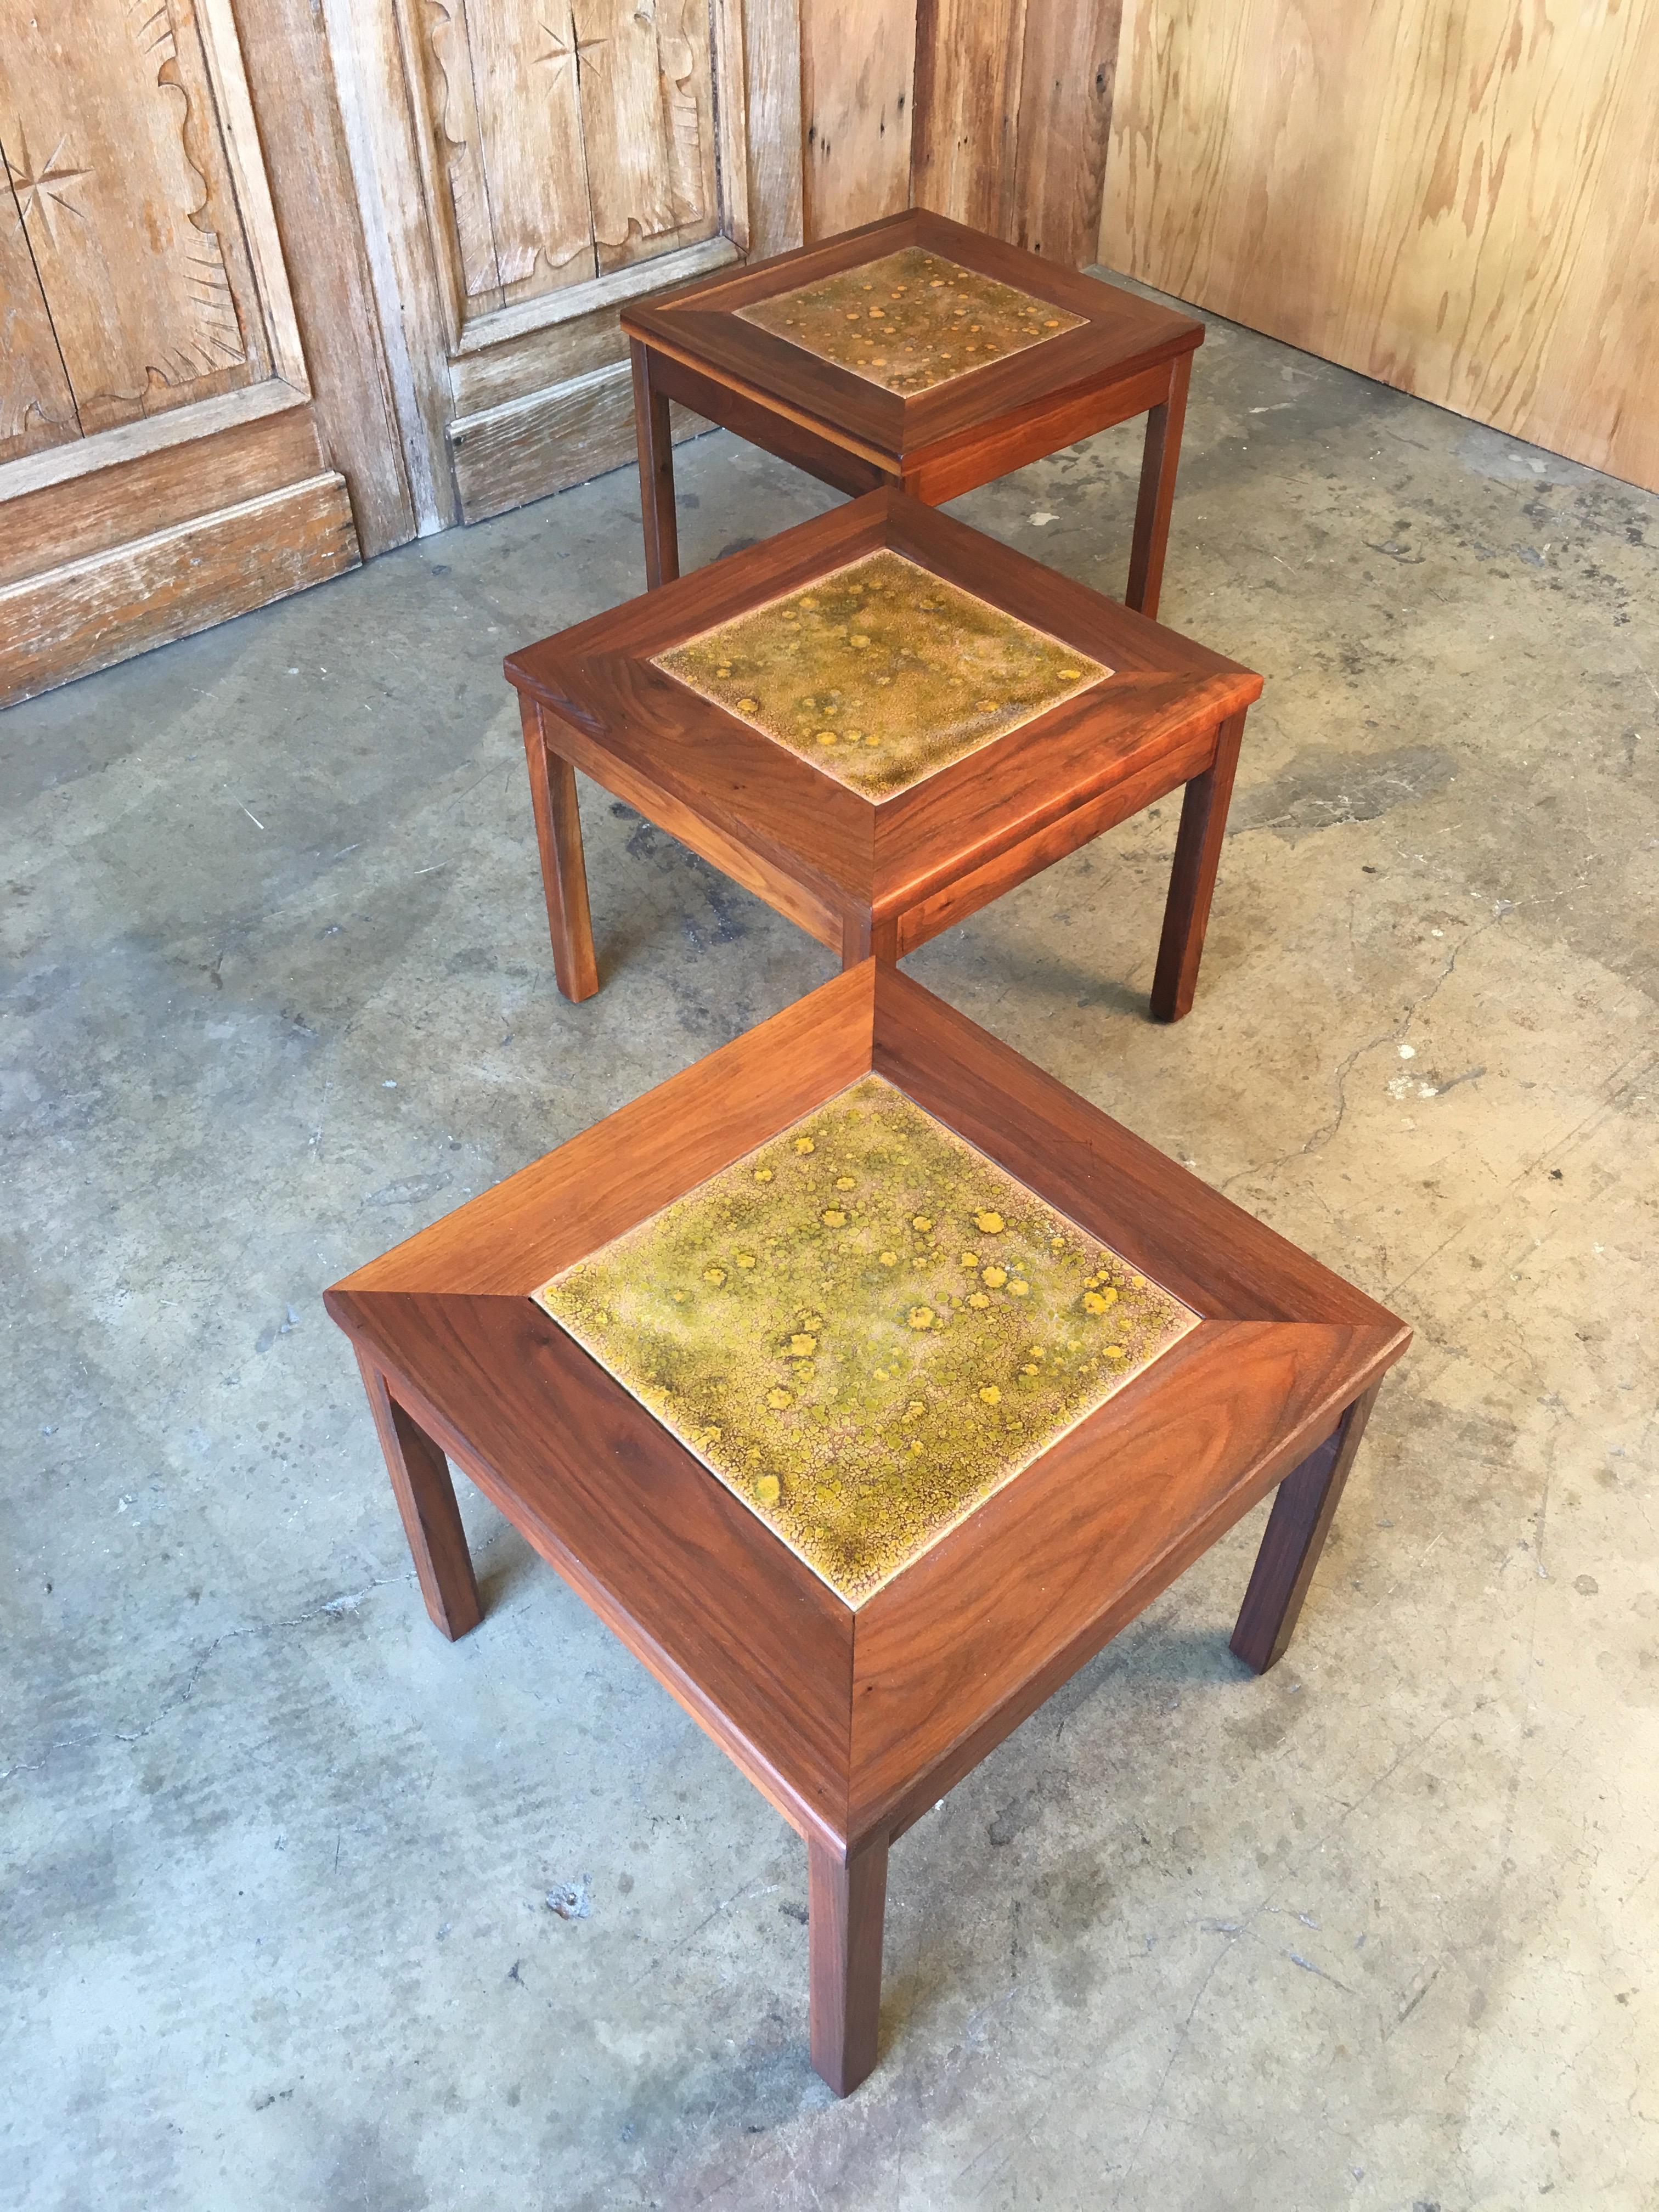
(507, 325)
(83, 614)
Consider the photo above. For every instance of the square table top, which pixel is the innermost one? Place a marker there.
(909, 332)
(878, 697)
(850, 1636)
(864, 1327)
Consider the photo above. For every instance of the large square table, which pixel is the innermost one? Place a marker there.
(864, 1382)
(878, 722)
(913, 352)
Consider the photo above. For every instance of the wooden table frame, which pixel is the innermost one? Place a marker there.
(1131, 357)
(867, 876)
(854, 1721)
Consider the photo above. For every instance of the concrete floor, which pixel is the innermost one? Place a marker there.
(1377, 1931)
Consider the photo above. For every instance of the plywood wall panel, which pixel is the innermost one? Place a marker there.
(1457, 197)
(857, 76)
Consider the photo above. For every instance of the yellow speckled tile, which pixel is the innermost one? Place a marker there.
(863, 1328)
(911, 320)
(881, 673)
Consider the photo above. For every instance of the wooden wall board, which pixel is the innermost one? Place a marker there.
(379, 117)
(308, 163)
(1066, 78)
(1013, 100)
(1455, 199)
(775, 129)
(505, 356)
(117, 170)
(970, 58)
(857, 71)
(134, 496)
(37, 408)
(86, 614)
(549, 439)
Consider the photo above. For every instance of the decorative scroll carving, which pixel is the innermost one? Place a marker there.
(118, 179)
(574, 139)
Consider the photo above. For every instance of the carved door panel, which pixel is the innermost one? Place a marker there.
(160, 463)
(528, 165)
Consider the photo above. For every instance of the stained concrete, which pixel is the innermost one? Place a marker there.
(1377, 1931)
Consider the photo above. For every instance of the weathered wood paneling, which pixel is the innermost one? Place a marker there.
(776, 130)
(857, 76)
(37, 407)
(970, 58)
(1065, 119)
(1457, 197)
(222, 463)
(117, 173)
(1013, 99)
(528, 447)
(89, 613)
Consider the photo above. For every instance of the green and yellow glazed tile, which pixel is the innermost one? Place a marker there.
(881, 673)
(911, 320)
(863, 1328)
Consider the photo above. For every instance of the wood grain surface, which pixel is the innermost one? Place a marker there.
(85, 614)
(1455, 199)
(857, 76)
(688, 1573)
(853, 1719)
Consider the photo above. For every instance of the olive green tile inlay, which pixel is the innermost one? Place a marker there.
(881, 673)
(863, 1328)
(911, 320)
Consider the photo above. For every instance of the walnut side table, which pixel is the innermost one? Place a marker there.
(878, 722)
(864, 1382)
(912, 352)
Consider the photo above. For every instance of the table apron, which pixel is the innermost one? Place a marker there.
(956, 895)
(970, 458)
(819, 915)
(772, 425)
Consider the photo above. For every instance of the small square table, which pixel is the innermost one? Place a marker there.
(864, 1382)
(913, 352)
(877, 721)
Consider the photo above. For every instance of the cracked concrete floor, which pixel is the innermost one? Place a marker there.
(1376, 1932)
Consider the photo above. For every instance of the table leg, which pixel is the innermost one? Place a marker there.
(651, 428)
(1159, 459)
(426, 1499)
(1192, 879)
(564, 869)
(863, 937)
(845, 1909)
(1296, 1529)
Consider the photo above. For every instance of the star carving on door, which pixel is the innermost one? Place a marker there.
(576, 51)
(38, 185)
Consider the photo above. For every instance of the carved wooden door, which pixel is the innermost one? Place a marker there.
(530, 164)
(162, 461)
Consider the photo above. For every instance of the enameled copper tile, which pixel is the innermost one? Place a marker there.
(863, 1328)
(911, 320)
(881, 673)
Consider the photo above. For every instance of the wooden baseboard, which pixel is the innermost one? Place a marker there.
(549, 439)
(89, 614)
